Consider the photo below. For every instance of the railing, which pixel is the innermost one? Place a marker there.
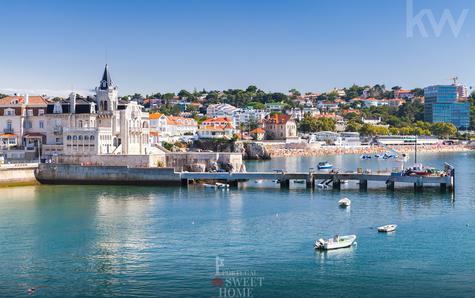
(8, 130)
(57, 130)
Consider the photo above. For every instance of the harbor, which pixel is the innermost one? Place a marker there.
(79, 174)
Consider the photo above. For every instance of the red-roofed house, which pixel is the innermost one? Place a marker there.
(258, 134)
(22, 122)
(216, 128)
(280, 127)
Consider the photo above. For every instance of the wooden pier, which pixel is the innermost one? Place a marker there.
(333, 179)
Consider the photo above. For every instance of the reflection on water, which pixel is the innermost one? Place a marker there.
(91, 241)
(336, 255)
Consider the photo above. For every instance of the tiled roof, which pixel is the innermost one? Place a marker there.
(155, 116)
(33, 100)
(278, 119)
(258, 130)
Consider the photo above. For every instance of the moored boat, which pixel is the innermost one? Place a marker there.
(335, 242)
(387, 228)
(222, 185)
(324, 165)
(207, 185)
(345, 202)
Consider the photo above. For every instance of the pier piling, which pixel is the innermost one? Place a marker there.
(285, 183)
(390, 185)
(363, 185)
(336, 183)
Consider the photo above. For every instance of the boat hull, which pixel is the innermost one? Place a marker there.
(343, 242)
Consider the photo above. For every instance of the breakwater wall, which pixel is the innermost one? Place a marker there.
(17, 174)
(106, 175)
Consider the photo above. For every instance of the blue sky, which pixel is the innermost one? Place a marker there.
(159, 46)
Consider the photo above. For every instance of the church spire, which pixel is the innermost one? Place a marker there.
(106, 81)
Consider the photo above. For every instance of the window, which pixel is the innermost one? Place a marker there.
(68, 138)
(80, 138)
(42, 124)
(58, 140)
(80, 123)
(92, 138)
(41, 112)
(86, 138)
(29, 112)
(75, 138)
(9, 112)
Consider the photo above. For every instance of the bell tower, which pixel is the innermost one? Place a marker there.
(106, 94)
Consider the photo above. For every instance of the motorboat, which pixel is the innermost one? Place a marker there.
(324, 165)
(387, 228)
(207, 185)
(299, 181)
(345, 202)
(335, 242)
(419, 170)
(365, 156)
(222, 185)
(258, 181)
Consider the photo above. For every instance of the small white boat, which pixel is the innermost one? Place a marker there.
(335, 242)
(258, 181)
(387, 228)
(345, 202)
(207, 185)
(222, 185)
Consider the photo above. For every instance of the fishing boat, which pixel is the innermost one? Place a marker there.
(335, 242)
(387, 228)
(324, 165)
(345, 202)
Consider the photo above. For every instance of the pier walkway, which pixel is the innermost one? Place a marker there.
(446, 180)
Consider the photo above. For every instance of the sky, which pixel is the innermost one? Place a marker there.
(54, 47)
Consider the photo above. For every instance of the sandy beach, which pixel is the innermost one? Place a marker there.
(320, 151)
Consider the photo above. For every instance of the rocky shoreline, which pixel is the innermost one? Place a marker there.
(321, 151)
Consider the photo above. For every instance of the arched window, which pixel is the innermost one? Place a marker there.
(86, 138)
(75, 138)
(92, 138)
(68, 138)
(80, 138)
(105, 105)
(80, 123)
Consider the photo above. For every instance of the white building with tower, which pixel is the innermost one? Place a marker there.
(103, 125)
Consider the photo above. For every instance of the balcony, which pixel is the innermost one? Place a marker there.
(8, 130)
(57, 130)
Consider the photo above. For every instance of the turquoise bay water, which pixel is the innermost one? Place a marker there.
(108, 241)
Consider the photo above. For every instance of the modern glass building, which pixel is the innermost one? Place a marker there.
(442, 105)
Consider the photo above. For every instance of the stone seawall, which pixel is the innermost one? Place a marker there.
(17, 174)
(105, 175)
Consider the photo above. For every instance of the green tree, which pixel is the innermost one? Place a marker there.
(353, 126)
(312, 124)
(443, 129)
